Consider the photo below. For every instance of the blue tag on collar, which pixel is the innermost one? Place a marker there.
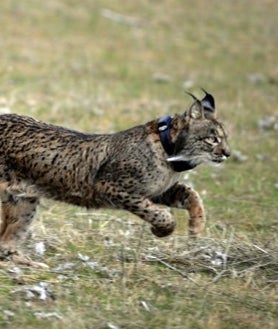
(164, 126)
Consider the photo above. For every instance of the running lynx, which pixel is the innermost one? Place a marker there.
(137, 169)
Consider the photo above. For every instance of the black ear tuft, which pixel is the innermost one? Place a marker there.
(208, 102)
(193, 96)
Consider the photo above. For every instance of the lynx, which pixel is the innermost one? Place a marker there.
(136, 170)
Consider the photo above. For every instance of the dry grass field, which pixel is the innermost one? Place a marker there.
(104, 66)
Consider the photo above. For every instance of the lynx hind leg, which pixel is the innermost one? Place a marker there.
(17, 212)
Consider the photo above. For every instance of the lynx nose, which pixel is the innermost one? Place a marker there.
(223, 150)
(226, 152)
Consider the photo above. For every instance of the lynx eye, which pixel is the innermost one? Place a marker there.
(212, 140)
(213, 131)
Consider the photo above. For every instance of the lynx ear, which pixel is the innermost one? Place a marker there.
(208, 102)
(196, 110)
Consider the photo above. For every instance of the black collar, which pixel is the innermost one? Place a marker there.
(164, 128)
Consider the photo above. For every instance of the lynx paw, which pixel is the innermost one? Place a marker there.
(196, 226)
(24, 260)
(160, 232)
(15, 256)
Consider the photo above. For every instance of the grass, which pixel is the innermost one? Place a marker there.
(65, 62)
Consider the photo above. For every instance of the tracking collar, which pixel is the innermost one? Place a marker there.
(164, 128)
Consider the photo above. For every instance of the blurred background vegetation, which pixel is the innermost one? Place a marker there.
(103, 66)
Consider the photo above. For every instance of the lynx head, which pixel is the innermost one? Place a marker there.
(198, 136)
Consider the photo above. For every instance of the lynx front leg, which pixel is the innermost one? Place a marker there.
(18, 210)
(160, 219)
(183, 196)
(162, 222)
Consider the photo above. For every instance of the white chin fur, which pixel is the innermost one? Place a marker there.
(197, 159)
(177, 158)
